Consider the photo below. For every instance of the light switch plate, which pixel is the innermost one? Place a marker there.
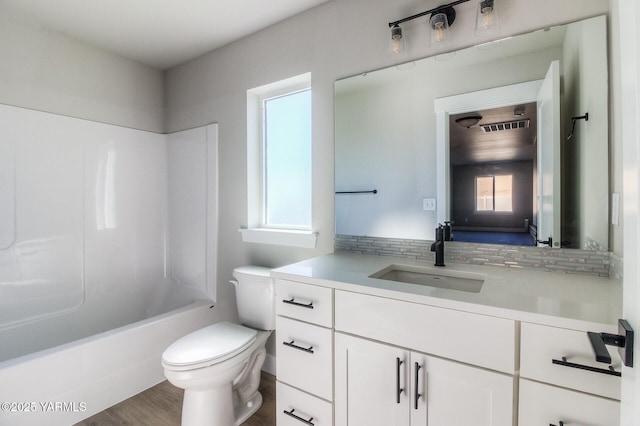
(429, 204)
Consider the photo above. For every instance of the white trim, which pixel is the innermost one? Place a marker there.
(280, 237)
(483, 99)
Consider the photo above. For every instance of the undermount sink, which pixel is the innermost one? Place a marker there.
(447, 279)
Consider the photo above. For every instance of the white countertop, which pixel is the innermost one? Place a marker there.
(551, 298)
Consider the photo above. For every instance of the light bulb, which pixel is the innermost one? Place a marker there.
(487, 20)
(440, 28)
(439, 31)
(397, 40)
(487, 17)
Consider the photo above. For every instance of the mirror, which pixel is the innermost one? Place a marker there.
(397, 141)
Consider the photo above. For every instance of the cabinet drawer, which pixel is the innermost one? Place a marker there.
(541, 344)
(305, 356)
(302, 408)
(542, 404)
(305, 302)
(471, 338)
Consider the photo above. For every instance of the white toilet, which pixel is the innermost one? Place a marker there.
(219, 366)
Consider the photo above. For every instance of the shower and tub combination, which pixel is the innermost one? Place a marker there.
(107, 256)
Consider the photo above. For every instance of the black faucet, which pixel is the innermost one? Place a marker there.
(448, 235)
(438, 246)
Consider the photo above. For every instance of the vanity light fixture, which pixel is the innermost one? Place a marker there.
(441, 19)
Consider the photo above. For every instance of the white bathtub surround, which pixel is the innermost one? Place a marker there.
(93, 238)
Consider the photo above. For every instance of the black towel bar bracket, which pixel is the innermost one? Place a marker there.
(623, 340)
(573, 123)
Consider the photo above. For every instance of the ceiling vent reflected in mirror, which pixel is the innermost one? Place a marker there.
(506, 125)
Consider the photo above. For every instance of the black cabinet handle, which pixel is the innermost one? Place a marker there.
(398, 388)
(298, 418)
(564, 362)
(560, 423)
(417, 395)
(292, 301)
(292, 344)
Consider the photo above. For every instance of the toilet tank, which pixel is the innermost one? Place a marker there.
(255, 297)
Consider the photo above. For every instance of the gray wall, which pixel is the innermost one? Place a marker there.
(47, 71)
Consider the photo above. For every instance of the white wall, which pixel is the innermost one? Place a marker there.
(47, 71)
(334, 40)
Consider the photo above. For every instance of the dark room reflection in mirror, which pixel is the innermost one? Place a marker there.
(491, 157)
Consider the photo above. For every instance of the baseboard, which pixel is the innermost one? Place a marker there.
(269, 365)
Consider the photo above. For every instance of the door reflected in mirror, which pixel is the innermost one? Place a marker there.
(396, 132)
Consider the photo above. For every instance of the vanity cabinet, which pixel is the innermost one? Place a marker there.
(355, 352)
(380, 384)
(304, 354)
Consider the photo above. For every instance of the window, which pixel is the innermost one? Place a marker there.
(279, 164)
(286, 160)
(494, 193)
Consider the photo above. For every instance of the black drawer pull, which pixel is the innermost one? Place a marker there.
(292, 344)
(560, 423)
(302, 305)
(564, 362)
(300, 419)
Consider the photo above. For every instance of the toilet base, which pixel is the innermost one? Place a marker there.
(242, 411)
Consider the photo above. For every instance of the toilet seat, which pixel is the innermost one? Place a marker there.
(207, 346)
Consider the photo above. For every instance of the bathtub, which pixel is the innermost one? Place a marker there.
(67, 383)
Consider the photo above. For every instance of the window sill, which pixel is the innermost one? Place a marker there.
(280, 237)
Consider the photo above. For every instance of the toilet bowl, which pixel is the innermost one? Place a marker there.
(219, 366)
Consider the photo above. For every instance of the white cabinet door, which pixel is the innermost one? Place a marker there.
(456, 394)
(371, 388)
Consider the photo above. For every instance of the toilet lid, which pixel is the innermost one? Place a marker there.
(219, 341)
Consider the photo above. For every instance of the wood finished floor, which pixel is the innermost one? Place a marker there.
(161, 405)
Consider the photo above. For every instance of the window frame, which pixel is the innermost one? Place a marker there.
(256, 230)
